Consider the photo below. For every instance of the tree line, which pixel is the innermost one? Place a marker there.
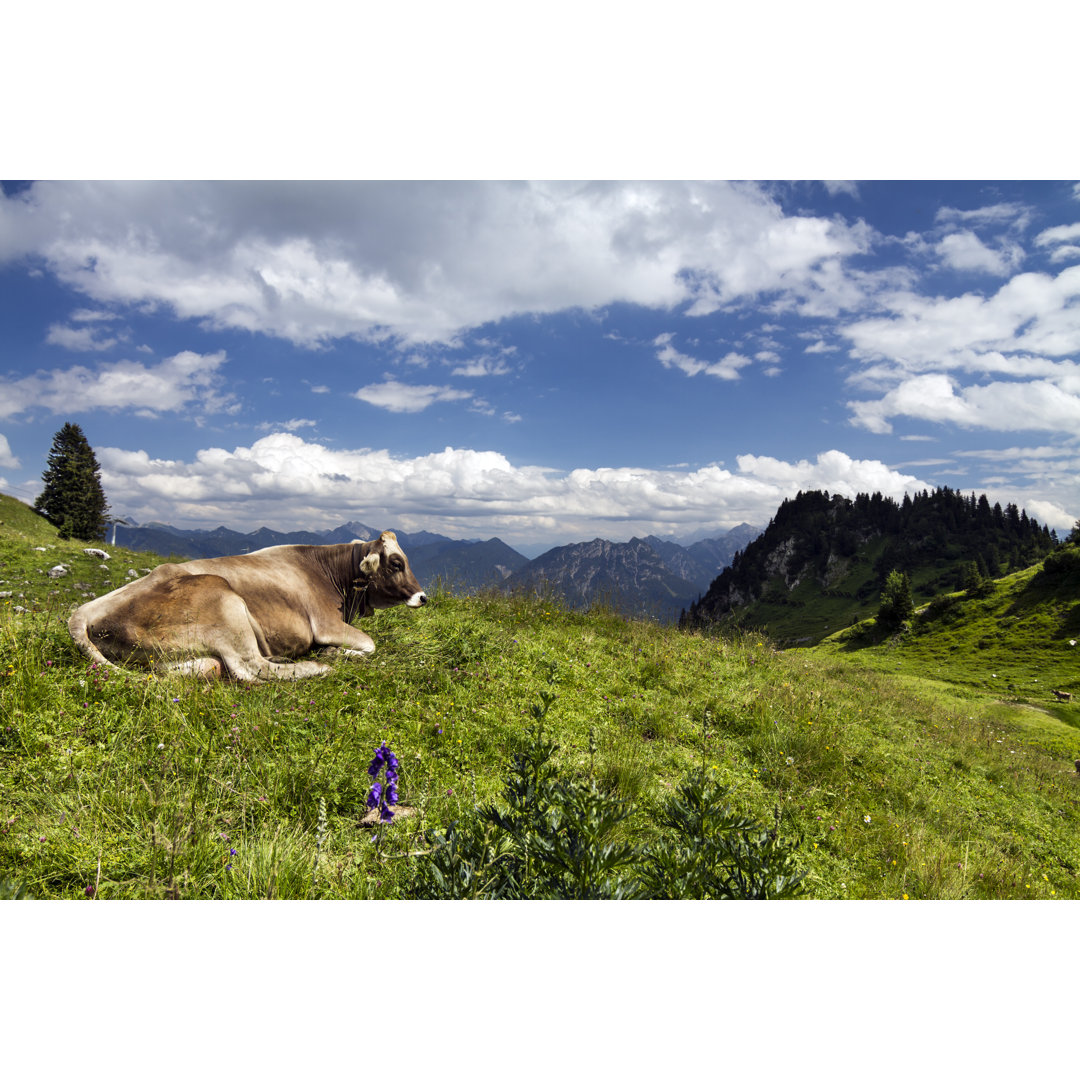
(962, 535)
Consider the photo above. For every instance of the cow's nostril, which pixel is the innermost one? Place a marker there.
(423, 598)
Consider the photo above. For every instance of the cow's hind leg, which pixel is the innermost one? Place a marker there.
(221, 629)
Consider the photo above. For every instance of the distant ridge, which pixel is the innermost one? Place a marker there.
(822, 561)
(643, 577)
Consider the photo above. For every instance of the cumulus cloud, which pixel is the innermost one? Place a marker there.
(965, 251)
(7, 459)
(180, 382)
(1001, 406)
(285, 481)
(401, 397)
(418, 262)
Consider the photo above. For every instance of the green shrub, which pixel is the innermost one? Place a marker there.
(1063, 565)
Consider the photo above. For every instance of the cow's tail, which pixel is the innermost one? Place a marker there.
(77, 627)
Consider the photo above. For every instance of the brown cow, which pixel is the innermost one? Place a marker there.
(247, 612)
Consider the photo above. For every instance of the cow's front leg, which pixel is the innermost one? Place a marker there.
(346, 640)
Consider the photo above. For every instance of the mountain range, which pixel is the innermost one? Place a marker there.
(651, 576)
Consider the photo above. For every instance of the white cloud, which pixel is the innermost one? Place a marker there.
(1032, 406)
(420, 262)
(1032, 312)
(842, 187)
(481, 366)
(1059, 238)
(965, 251)
(180, 382)
(286, 425)
(1018, 453)
(727, 368)
(1058, 234)
(82, 338)
(1052, 515)
(7, 459)
(1065, 253)
(400, 397)
(283, 481)
(998, 214)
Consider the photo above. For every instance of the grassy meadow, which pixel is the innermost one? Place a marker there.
(126, 784)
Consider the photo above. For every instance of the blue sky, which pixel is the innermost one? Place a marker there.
(544, 362)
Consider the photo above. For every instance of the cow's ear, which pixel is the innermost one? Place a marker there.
(369, 564)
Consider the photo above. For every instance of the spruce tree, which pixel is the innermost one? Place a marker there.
(897, 605)
(73, 499)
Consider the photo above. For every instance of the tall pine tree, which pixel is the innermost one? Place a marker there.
(73, 499)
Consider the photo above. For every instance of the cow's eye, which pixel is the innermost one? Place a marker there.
(396, 564)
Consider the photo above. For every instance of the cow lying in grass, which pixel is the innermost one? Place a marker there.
(247, 613)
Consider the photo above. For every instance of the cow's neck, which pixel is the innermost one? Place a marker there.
(338, 565)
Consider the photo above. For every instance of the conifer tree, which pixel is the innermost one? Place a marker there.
(73, 499)
(897, 605)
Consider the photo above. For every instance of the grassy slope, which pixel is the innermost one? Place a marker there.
(143, 786)
(1012, 645)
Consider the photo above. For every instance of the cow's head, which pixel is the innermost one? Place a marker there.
(383, 575)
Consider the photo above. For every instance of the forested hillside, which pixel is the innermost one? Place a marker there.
(822, 561)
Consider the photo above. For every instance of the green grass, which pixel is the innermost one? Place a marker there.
(1012, 643)
(133, 785)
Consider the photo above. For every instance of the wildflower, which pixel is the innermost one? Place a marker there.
(790, 760)
(381, 797)
(867, 819)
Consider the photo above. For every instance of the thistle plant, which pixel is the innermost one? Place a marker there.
(551, 837)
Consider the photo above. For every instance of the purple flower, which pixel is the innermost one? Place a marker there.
(378, 761)
(381, 797)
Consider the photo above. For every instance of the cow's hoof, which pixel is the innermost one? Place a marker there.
(304, 669)
(206, 667)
